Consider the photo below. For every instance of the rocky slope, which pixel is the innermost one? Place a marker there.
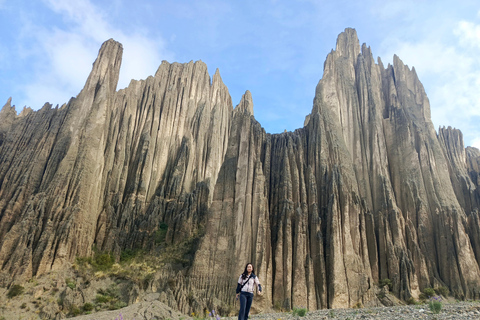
(366, 190)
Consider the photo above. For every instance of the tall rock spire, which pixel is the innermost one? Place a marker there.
(106, 68)
(246, 103)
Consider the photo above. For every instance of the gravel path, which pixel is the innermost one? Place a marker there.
(460, 310)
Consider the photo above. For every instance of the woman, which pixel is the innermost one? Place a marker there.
(245, 287)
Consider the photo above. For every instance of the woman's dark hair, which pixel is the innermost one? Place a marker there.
(245, 272)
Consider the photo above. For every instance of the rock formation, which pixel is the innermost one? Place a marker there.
(366, 190)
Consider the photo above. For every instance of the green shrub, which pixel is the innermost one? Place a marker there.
(386, 282)
(100, 298)
(435, 305)
(161, 233)
(88, 306)
(103, 261)
(429, 292)
(127, 255)
(23, 306)
(74, 310)
(71, 283)
(411, 301)
(299, 312)
(84, 261)
(117, 305)
(443, 291)
(112, 291)
(15, 291)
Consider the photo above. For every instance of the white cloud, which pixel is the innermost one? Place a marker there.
(476, 143)
(468, 34)
(448, 66)
(69, 52)
(388, 10)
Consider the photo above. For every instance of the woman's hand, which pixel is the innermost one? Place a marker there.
(260, 293)
(238, 295)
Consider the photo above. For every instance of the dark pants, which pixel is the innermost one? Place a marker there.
(246, 299)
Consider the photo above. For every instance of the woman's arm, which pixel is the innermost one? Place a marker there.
(257, 282)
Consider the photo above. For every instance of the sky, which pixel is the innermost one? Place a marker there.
(276, 49)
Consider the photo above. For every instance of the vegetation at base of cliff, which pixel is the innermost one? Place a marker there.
(101, 261)
(442, 291)
(109, 298)
(301, 312)
(139, 265)
(88, 306)
(161, 233)
(386, 282)
(15, 291)
(70, 283)
(106, 299)
(435, 304)
(426, 294)
(136, 266)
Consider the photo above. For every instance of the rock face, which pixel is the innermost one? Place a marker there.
(366, 190)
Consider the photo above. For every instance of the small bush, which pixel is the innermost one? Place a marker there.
(429, 292)
(88, 306)
(74, 310)
(411, 301)
(435, 304)
(23, 306)
(299, 312)
(386, 282)
(117, 305)
(103, 261)
(15, 291)
(161, 233)
(70, 283)
(358, 305)
(127, 255)
(442, 291)
(100, 298)
(112, 291)
(84, 261)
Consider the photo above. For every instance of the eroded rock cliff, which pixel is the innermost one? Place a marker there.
(366, 190)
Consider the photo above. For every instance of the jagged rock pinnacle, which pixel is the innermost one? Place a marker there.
(246, 103)
(106, 68)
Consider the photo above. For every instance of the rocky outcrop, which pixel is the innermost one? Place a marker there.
(366, 190)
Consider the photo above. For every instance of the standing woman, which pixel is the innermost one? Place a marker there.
(245, 288)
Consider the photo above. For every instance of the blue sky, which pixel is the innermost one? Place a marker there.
(275, 49)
